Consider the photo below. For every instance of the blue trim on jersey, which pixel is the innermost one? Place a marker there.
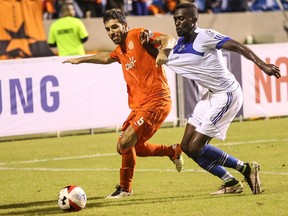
(221, 43)
(186, 48)
(224, 109)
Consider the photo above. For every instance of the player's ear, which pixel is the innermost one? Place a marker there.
(126, 26)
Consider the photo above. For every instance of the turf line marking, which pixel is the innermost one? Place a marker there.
(113, 154)
(62, 158)
(117, 170)
(251, 142)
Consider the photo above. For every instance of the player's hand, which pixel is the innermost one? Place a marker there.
(72, 61)
(271, 70)
(144, 36)
(161, 58)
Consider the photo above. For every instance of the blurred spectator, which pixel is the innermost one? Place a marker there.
(58, 4)
(115, 4)
(48, 8)
(96, 8)
(258, 5)
(204, 6)
(170, 6)
(234, 6)
(217, 6)
(68, 33)
(140, 7)
(266, 5)
(156, 7)
(91, 8)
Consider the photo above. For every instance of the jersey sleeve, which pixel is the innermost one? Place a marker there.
(154, 35)
(213, 39)
(114, 55)
(82, 30)
(51, 37)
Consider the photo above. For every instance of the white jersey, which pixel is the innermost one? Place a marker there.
(201, 60)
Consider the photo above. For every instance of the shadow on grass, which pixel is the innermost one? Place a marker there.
(47, 207)
(50, 207)
(134, 200)
(39, 207)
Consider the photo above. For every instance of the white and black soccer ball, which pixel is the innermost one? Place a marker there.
(72, 198)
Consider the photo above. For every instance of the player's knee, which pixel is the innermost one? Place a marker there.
(122, 145)
(193, 151)
(126, 142)
(185, 148)
(119, 148)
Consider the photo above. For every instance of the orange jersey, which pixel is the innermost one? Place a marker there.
(146, 83)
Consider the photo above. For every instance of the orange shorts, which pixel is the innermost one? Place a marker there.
(147, 121)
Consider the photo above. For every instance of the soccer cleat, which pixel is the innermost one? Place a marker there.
(120, 193)
(177, 158)
(253, 178)
(235, 189)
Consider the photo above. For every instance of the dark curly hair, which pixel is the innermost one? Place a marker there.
(115, 14)
(190, 6)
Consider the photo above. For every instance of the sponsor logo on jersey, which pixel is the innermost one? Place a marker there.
(174, 58)
(131, 64)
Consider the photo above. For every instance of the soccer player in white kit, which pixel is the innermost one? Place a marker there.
(198, 56)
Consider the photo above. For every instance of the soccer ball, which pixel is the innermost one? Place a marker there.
(72, 198)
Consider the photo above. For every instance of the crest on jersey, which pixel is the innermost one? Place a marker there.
(131, 45)
(181, 47)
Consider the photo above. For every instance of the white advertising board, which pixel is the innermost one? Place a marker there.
(42, 95)
(265, 96)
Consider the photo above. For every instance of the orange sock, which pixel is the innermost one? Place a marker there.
(127, 169)
(149, 149)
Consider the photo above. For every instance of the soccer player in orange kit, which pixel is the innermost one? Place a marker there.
(138, 51)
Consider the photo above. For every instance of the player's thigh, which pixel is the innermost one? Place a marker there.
(152, 121)
(128, 135)
(200, 111)
(143, 124)
(188, 133)
(215, 113)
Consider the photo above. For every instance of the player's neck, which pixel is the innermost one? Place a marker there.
(191, 36)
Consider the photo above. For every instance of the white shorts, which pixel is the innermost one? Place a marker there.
(215, 111)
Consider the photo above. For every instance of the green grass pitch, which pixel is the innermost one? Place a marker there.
(33, 171)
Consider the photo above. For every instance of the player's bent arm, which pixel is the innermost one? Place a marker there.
(235, 46)
(98, 58)
(166, 42)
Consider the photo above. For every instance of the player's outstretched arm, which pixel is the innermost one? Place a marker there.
(98, 58)
(269, 69)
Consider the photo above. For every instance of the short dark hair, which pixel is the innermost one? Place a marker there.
(114, 14)
(190, 6)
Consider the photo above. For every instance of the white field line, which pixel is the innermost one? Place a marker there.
(252, 142)
(114, 154)
(59, 159)
(117, 170)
